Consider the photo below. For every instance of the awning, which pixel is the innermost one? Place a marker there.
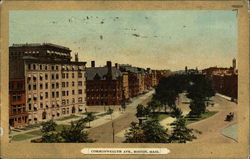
(35, 95)
(29, 116)
(35, 105)
(41, 75)
(34, 75)
(29, 96)
(58, 102)
(35, 115)
(41, 94)
(29, 75)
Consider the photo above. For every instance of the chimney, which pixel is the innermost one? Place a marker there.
(92, 63)
(76, 57)
(116, 65)
(109, 73)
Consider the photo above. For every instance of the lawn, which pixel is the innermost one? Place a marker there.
(21, 137)
(159, 116)
(67, 117)
(35, 133)
(203, 116)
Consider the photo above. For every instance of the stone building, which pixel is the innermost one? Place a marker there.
(54, 85)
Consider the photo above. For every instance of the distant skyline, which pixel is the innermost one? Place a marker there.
(155, 39)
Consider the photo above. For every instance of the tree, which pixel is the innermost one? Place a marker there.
(90, 117)
(142, 111)
(52, 137)
(110, 112)
(48, 126)
(149, 132)
(181, 134)
(75, 133)
(124, 105)
(197, 107)
(154, 132)
(154, 104)
(49, 133)
(134, 134)
(176, 113)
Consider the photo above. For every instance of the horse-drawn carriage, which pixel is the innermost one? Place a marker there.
(229, 117)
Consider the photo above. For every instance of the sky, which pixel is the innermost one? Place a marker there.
(160, 39)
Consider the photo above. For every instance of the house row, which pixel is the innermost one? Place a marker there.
(45, 83)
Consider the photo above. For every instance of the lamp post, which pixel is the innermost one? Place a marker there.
(113, 131)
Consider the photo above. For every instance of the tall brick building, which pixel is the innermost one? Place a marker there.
(225, 80)
(105, 85)
(18, 115)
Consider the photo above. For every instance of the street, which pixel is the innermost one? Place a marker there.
(104, 133)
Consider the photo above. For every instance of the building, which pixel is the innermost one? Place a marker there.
(18, 115)
(54, 85)
(225, 80)
(136, 78)
(105, 85)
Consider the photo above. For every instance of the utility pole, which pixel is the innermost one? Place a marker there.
(113, 129)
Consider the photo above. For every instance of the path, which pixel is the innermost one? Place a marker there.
(211, 128)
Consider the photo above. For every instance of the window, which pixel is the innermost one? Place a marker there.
(52, 67)
(63, 102)
(73, 100)
(67, 93)
(80, 99)
(46, 94)
(29, 106)
(34, 66)
(73, 92)
(63, 75)
(57, 85)
(46, 85)
(29, 87)
(41, 86)
(67, 84)
(46, 76)
(57, 94)
(41, 105)
(18, 97)
(73, 84)
(41, 77)
(56, 67)
(52, 76)
(79, 75)
(79, 83)
(29, 66)
(73, 75)
(41, 67)
(63, 93)
(63, 84)
(34, 87)
(67, 75)
(53, 85)
(79, 91)
(14, 97)
(46, 67)
(53, 94)
(57, 76)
